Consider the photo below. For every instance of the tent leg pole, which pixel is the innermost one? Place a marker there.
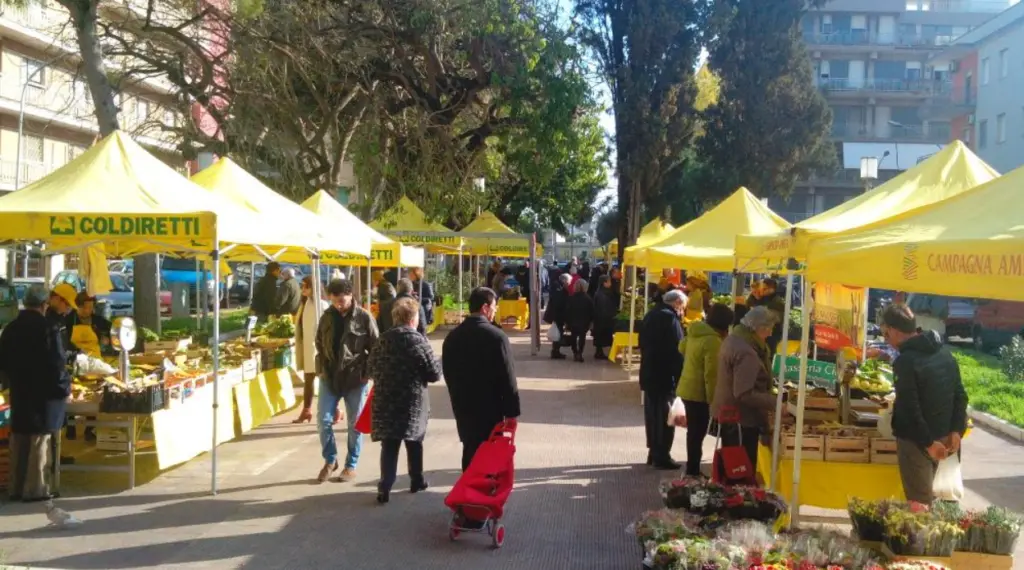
(632, 319)
(199, 289)
(215, 352)
(460, 284)
(534, 305)
(369, 284)
(794, 518)
(777, 434)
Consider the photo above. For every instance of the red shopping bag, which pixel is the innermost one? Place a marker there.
(364, 423)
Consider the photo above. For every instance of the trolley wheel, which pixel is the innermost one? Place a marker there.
(453, 533)
(498, 539)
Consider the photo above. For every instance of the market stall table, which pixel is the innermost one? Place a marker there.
(621, 341)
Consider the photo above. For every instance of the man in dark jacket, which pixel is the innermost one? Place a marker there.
(424, 291)
(660, 367)
(32, 358)
(478, 368)
(930, 413)
(264, 297)
(344, 339)
(555, 313)
(61, 308)
(289, 294)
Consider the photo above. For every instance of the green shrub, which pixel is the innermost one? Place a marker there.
(1012, 356)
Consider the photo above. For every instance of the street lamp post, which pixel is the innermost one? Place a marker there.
(21, 144)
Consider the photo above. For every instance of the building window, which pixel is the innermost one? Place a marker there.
(983, 134)
(984, 71)
(75, 151)
(1004, 63)
(966, 136)
(33, 72)
(32, 148)
(170, 119)
(1001, 128)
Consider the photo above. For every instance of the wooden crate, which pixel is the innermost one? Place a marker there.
(813, 446)
(815, 414)
(977, 561)
(169, 345)
(883, 450)
(847, 449)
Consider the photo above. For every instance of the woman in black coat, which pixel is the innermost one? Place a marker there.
(579, 316)
(556, 311)
(606, 306)
(401, 366)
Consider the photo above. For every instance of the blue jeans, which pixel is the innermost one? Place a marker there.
(326, 404)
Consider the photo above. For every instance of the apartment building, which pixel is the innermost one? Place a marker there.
(39, 82)
(873, 61)
(986, 106)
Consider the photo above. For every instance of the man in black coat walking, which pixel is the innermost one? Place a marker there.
(264, 296)
(478, 368)
(33, 361)
(660, 367)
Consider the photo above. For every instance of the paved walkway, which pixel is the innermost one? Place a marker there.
(579, 484)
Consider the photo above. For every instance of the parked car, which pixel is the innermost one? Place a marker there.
(996, 323)
(165, 293)
(21, 284)
(120, 302)
(183, 270)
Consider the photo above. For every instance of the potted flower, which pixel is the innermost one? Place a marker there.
(868, 517)
(921, 533)
(992, 531)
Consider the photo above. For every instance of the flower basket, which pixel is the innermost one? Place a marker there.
(912, 545)
(868, 528)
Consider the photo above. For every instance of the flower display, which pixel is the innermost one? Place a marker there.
(705, 497)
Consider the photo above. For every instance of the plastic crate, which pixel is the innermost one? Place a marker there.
(145, 401)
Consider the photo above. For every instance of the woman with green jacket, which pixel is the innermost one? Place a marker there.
(699, 377)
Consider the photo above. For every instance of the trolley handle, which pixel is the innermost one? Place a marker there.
(728, 415)
(506, 428)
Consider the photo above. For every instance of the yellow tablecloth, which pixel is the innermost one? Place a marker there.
(830, 485)
(518, 309)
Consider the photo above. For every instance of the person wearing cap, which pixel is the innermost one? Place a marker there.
(289, 294)
(744, 380)
(89, 332)
(660, 367)
(62, 305)
(33, 361)
(264, 297)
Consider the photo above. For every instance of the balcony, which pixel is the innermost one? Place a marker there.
(848, 178)
(948, 106)
(866, 38)
(909, 88)
(936, 132)
(30, 172)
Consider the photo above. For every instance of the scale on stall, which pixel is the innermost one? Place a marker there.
(123, 338)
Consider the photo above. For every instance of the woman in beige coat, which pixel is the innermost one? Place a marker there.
(305, 349)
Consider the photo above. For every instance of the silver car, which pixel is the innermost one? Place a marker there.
(119, 302)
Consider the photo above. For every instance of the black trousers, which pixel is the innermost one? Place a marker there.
(389, 462)
(579, 340)
(698, 414)
(469, 447)
(659, 434)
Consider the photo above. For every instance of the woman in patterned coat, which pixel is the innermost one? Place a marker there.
(401, 367)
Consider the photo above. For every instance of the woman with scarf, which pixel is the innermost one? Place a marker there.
(745, 380)
(305, 348)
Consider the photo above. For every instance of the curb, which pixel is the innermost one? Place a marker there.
(1002, 427)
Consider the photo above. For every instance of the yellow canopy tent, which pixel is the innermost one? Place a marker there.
(609, 250)
(709, 242)
(118, 195)
(971, 245)
(949, 172)
(227, 179)
(505, 243)
(407, 223)
(385, 252)
(655, 231)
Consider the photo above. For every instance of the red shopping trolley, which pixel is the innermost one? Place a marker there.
(478, 498)
(731, 464)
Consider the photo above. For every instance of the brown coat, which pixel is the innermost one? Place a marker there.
(743, 380)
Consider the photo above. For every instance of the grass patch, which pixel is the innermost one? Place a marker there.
(230, 320)
(989, 389)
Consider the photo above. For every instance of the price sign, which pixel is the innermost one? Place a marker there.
(250, 324)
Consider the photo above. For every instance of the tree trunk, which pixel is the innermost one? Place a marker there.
(147, 267)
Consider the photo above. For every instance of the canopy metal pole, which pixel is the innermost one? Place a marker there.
(534, 302)
(777, 434)
(632, 319)
(317, 292)
(215, 352)
(864, 323)
(252, 281)
(801, 401)
(460, 283)
(199, 274)
(369, 284)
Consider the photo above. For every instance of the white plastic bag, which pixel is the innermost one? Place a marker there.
(677, 414)
(948, 484)
(554, 333)
(885, 423)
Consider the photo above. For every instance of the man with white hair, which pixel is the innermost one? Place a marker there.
(289, 294)
(660, 367)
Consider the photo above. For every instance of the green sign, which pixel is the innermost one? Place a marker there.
(819, 373)
(135, 226)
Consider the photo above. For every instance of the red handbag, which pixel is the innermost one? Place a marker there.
(365, 422)
(730, 464)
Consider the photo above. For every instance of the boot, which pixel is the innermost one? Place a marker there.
(599, 354)
(556, 352)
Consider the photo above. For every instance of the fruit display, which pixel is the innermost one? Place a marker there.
(874, 377)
